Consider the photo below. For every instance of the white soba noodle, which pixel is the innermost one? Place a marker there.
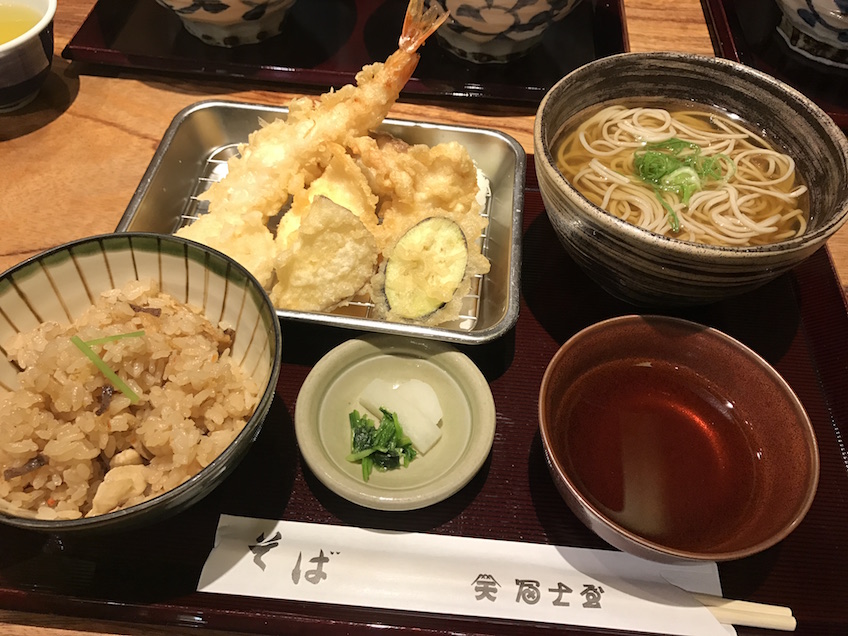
(694, 175)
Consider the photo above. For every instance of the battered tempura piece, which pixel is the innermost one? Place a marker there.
(332, 256)
(283, 157)
(435, 282)
(418, 181)
(342, 182)
(245, 238)
(426, 267)
(419, 185)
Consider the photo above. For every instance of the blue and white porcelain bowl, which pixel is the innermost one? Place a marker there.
(63, 282)
(497, 31)
(231, 23)
(816, 29)
(25, 61)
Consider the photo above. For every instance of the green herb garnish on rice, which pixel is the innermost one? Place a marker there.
(117, 336)
(116, 381)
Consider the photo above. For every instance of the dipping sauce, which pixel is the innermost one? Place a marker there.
(15, 20)
(659, 452)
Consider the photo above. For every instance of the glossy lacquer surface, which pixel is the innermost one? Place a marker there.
(799, 323)
(325, 42)
(746, 31)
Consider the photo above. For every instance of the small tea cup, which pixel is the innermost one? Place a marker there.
(25, 60)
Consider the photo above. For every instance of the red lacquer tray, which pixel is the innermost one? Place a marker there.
(746, 31)
(325, 42)
(799, 323)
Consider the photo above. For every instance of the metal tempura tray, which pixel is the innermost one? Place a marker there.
(194, 151)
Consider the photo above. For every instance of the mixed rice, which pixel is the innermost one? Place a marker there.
(73, 444)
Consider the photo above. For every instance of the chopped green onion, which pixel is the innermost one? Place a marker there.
(673, 219)
(674, 145)
(677, 166)
(684, 180)
(119, 336)
(118, 383)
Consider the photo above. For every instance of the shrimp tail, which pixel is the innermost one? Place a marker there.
(419, 24)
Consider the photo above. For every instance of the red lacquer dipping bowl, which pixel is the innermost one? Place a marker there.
(673, 441)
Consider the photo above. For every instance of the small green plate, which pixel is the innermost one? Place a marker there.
(331, 391)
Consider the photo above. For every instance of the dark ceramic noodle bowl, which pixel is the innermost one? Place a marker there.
(645, 268)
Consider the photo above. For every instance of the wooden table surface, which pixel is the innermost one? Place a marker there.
(70, 163)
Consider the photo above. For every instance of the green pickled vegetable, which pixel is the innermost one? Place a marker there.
(383, 447)
(678, 166)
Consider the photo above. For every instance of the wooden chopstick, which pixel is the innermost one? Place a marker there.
(748, 614)
(719, 601)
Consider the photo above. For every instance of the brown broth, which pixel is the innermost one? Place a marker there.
(573, 159)
(660, 452)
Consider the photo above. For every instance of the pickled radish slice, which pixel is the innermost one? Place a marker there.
(419, 415)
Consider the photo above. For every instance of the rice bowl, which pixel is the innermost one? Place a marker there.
(73, 446)
(139, 393)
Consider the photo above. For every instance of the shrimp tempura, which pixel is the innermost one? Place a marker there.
(284, 156)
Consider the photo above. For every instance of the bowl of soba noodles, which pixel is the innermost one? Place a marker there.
(679, 180)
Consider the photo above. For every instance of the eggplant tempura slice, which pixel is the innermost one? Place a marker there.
(425, 268)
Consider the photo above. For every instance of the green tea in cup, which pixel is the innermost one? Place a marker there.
(15, 20)
(26, 50)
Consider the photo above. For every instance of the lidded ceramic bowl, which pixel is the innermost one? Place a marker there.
(231, 23)
(649, 269)
(817, 29)
(498, 31)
